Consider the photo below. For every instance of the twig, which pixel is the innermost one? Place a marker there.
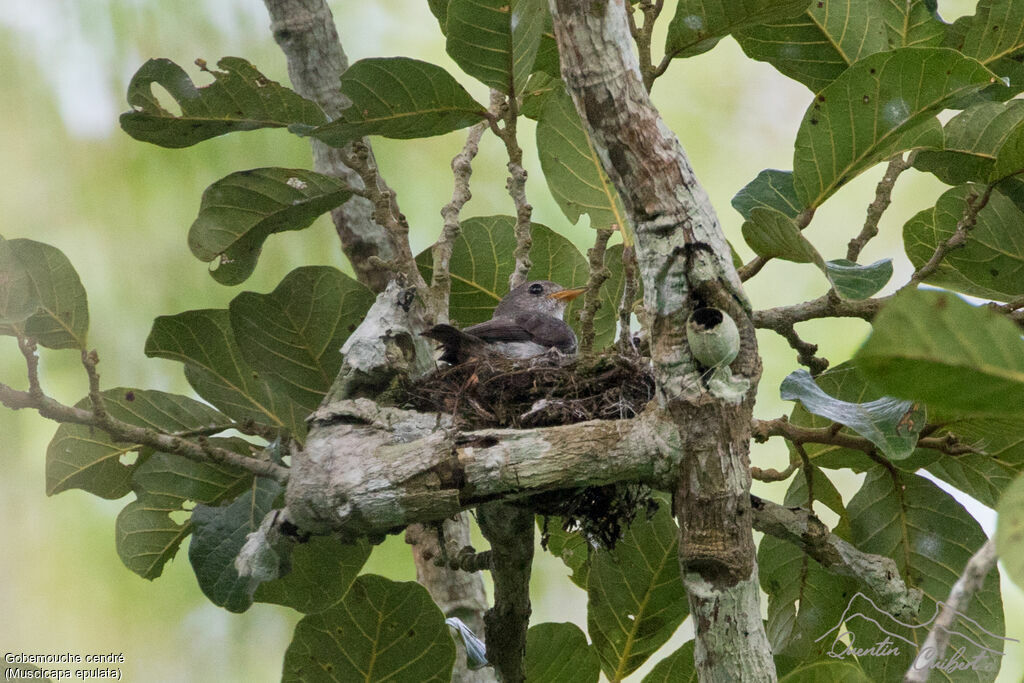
(752, 268)
(629, 287)
(974, 206)
(462, 170)
(467, 560)
(825, 306)
(592, 297)
(805, 350)
(772, 474)
(883, 197)
(516, 185)
(969, 583)
(877, 572)
(642, 36)
(122, 431)
(28, 350)
(949, 443)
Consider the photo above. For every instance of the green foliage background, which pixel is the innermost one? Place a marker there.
(121, 209)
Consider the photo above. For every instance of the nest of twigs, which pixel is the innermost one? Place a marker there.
(546, 392)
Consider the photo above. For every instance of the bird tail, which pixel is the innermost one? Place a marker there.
(457, 345)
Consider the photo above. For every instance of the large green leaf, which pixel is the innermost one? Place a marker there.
(976, 142)
(772, 234)
(1010, 531)
(676, 668)
(635, 596)
(147, 536)
(817, 46)
(216, 369)
(891, 424)
(559, 653)
(18, 297)
(827, 672)
(934, 347)
(931, 537)
(990, 264)
(912, 23)
(42, 282)
(698, 25)
(240, 98)
(882, 105)
(218, 533)
(571, 548)
(496, 41)
(481, 264)
(401, 98)
(240, 211)
(292, 336)
(996, 31)
(322, 570)
(572, 167)
(984, 475)
(771, 189)
(83, 457)
(382, 630)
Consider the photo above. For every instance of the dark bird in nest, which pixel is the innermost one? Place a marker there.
(527, 322)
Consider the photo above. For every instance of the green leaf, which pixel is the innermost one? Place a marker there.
(216, 369)
(439, 8)
(676, 668)
(559, 653)
(147, 537)
(481, 264)
(240, 98)
(827, 672)
(217, 536)
(817, 46)
(995, 32)
(771, 189)
(240, 211)
(571, 547)
(536, 94)
(382, 630)
(18, 296)
(934, 347)
(41, 274)
(890, 424)
(698, 25)
(572, 167)
(322, 570)
(292, 337)
(985, 475)
(931, 538)
(774, 235)
(990, 264)
(804, 599)
(974, 144)
(496, 41)
(844, 383)
(857, 282)
(400, 98)
(912, 24)
(83, 457)
(635, 596)
(875, 110)
(1010, 531)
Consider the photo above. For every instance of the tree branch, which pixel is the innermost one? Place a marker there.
(305, 31)
(879, 574)
(969, 583)
(199, 450)
(949, 443)
(516, 185)
(883, 197)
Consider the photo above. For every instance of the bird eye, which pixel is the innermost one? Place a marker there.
(536, 289)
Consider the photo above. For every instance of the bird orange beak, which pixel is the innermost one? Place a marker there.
(567, 294)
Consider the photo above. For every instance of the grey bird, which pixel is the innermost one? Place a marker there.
(527, 322)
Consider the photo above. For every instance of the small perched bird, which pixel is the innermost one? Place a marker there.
(526, 323)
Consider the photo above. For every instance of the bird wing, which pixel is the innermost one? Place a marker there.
(539, 328)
